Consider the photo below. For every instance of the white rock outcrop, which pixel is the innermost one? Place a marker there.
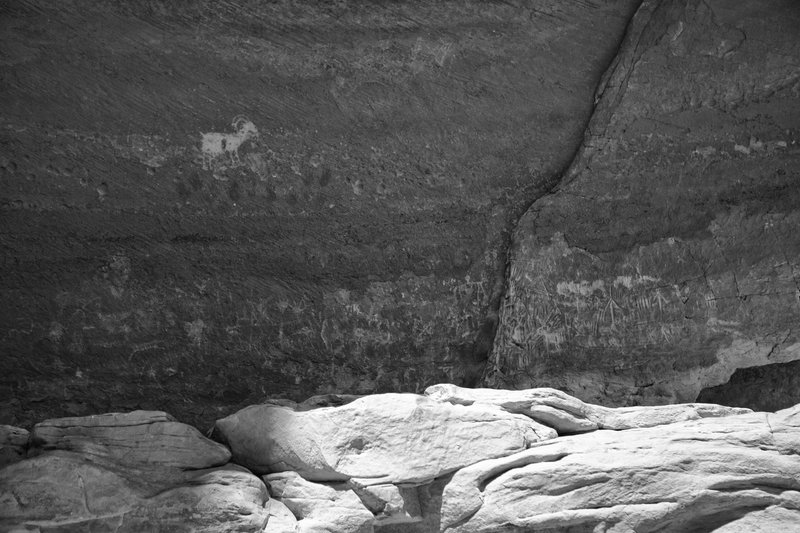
(688, 476)
(385, 438)
(66, 491)
(318, 507)
(568, 415)
(138, 438)
(391, 504)
(131, 472)
(456, 461)
(279, 518)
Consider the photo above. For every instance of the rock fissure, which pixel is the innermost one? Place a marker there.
(483, 345)
(595, 197)
(684, 282)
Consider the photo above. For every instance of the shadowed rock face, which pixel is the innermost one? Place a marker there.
(763, 388)
(669, 257)
(210, 203)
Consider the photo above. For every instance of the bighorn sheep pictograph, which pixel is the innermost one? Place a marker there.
(216, 144)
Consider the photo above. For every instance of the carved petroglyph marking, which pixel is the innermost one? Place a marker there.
(610, 309)
(661, 300)
(581, 288)
(611, 312)
(215, 145)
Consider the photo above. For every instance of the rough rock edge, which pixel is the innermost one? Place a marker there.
(569, 415)
(754, 432)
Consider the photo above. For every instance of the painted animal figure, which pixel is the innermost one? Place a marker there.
(216, 144)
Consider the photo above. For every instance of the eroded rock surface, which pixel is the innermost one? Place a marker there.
(385, 438)
(669, 256)
(130, 472)
(321, 508)
(694, 475)
(349, 235)
(140, 439)
(13, 444)
(456, 462)
(567, 414)
(67, 491)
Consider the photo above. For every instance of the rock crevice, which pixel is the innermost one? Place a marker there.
(654, 270)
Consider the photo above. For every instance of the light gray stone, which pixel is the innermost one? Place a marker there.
(320, 508)
(385, 438)
(676, 477)
(138, 438)
(568, 415)
(68, 491)
(391, 504)
(280, 518)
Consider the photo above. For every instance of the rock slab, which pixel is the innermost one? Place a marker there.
(385, 438)
(694, 467)
(138, 438)
(321, 508)
(567, 414)
(128, 472)
(696, 475)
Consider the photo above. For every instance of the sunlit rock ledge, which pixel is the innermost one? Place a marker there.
(454, 459)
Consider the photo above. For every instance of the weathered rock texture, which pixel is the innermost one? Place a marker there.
(150, 438)
(321, 508)
(355, 239)
(567, 414)
(669, 257)
(698, 475)
(689, 468)
(132, 472)
(13, 444)
(385, 438)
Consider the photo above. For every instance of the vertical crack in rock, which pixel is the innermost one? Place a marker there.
(620, 66)
(612, 87)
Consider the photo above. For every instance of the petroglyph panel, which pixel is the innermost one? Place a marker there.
(544, 314)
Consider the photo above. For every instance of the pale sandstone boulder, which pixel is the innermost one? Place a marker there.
(150, 438)
(692, 475)
(64, 489)
(223, 499)
(67, 491)
(139, 471)
(320, 508)
(568, 415)
(13, 444)
(279, 518)
(385, 438)
(391, 504)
